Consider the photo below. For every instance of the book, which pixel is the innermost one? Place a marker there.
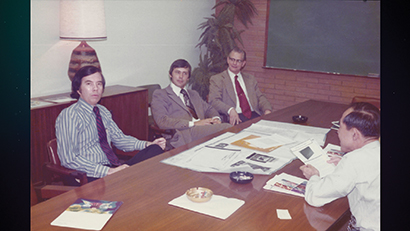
(309, 152)
(87, 214)
(286, 183)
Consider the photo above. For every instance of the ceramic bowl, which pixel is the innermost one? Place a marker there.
(199, 194)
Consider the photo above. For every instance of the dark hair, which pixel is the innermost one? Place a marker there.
(365, 117)
(239, 50)
(180, 63)
(79, 75)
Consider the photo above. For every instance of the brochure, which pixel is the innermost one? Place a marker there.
(87, 214)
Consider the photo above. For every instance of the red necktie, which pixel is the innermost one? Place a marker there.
(243, 102)
(191, 109)
(102, 135)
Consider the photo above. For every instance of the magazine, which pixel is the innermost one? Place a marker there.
(87, 214)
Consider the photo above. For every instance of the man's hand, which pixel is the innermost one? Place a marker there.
(203, 122)
(308, 171)
(117, 169)
(216, 121)
(234, 117)
(160, 141)
(334, 160)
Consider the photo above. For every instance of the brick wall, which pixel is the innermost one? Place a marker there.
(284, 88)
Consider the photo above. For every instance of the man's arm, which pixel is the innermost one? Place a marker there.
(215, 97)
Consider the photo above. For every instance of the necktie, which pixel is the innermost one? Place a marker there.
(191, 109)
(102, 135)
(243, 102)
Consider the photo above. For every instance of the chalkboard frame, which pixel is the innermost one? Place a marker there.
(355, 52)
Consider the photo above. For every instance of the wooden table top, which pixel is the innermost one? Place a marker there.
(147, 187)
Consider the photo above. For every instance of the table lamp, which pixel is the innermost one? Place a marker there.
(82, 20)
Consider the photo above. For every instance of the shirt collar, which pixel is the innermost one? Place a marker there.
(176, 89)
(232, 75)
(86, 106)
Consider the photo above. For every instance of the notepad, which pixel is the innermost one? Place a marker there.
(310, 152)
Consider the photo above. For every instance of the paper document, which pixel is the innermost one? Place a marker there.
(219, 206)
(294, 132)
(87, 214)
(309, 152)
(286, 183)
(218, 155)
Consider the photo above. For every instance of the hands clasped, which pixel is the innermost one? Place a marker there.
(207, 121)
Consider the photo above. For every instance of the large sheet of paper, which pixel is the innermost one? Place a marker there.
(294, 132)
(263, 148)
(219, 155)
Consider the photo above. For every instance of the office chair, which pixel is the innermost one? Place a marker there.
(53, 171)
(374, 101)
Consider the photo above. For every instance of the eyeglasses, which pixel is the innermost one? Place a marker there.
(235, 60)
(335, 125)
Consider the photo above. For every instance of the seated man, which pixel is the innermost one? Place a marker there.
(357, 174)
(236, 94)
(85, 129)
(176, 107)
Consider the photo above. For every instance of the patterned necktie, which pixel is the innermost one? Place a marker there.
(191, 109)
(243, 102)
(102, 135)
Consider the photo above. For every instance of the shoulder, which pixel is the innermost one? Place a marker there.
(220, 76)
(161, 91)
(247, 76)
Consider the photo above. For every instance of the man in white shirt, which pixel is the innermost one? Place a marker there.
(182, 109)
(357, 174)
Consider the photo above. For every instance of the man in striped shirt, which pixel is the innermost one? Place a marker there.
(78, 138)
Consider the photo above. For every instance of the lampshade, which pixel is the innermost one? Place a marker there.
(82, 20)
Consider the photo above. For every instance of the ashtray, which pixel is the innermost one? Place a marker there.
(241, 177)
(199, 194)
(300, 119)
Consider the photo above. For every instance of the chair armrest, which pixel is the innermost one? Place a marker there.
(62, 171)
(158, 130)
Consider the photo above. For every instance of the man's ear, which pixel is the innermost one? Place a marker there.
(79, 92)
(356, 134)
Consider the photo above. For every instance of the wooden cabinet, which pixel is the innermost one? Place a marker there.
(128, 105)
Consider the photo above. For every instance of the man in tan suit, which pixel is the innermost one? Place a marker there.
(225, 93)
(176, 107)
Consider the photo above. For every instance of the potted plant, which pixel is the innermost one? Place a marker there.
(219, 37)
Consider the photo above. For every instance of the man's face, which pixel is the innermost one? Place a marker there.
(345, 135)
(235, 62)
(180, 76)
(91, 88)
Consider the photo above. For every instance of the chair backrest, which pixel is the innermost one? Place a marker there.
(151, 88)
(374, 101)
(52, 152)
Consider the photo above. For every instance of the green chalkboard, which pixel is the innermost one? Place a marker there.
(332, 36)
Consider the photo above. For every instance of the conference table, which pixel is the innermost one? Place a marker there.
(146, 188)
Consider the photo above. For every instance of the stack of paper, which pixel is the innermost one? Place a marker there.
(286, 183)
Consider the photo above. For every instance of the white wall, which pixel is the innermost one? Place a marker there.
(143, 39)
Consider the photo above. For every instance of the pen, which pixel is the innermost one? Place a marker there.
(227, 149)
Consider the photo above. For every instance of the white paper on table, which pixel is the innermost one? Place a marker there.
(295, 132)
(270, 185)
(270, 141)
(90, 221)
(219, 206)
(283, 214)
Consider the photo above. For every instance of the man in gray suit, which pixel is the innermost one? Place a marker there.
(236, 94)
(176, 107)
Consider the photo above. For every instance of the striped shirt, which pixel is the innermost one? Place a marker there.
(77, 139)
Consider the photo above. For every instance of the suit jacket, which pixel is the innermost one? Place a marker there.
(222, 94)
(169, 112)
